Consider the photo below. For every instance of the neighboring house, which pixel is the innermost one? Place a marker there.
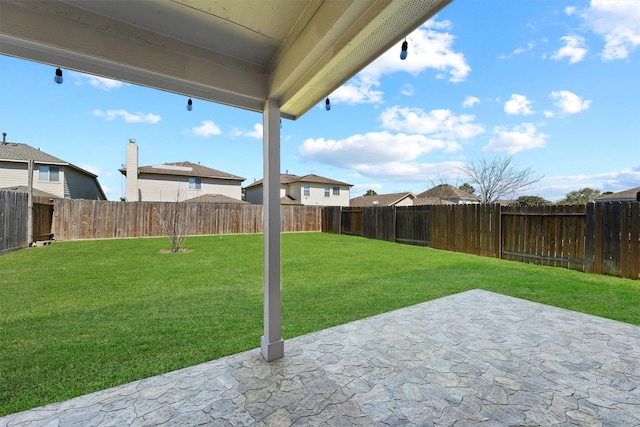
(178, 181)
(392, 199)
(446, 192)
(216, 198)
(630, 195)
(305, 190)
(50, 174)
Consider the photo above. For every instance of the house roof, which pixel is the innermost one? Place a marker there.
(630, 194)
(288, 200)
(286, 178)
(17, 152)
(216, 198)
(238, 53)
(447, 192)
(185, 169)
(421, 201)
(25, 189)
(380, 199)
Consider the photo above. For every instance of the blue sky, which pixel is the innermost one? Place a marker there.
(555, 84)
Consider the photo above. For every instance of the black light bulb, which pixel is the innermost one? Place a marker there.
(403, 52)
(189, 105)
(327, 104)
(58, 77)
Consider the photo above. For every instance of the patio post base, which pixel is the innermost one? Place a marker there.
(272, 351)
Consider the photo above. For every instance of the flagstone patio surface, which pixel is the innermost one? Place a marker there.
(475, 358)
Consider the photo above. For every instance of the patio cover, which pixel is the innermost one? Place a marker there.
(277, 57)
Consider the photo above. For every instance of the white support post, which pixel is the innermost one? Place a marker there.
(272, 347)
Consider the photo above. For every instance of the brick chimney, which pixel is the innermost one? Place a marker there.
(132, 191)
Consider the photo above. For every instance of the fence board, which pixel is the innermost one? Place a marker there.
(91, 219)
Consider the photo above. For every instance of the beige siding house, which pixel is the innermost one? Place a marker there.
(50, 174)
(176, 181)
(392, 199)
(304, 190)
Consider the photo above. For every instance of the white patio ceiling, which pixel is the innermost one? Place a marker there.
(234, 52)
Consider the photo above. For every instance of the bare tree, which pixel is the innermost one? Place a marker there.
(174, 221)
(497, 178)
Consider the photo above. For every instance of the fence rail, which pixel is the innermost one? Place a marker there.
(98, 219)
(602, 238)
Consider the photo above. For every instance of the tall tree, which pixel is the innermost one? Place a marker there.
(468, 188)
(497, 178)
(370, 193)
(580, 197)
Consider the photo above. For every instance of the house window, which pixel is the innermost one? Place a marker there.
(307, 189)
(327, 191)
(49, 174)
(195, 183)
(336, 191)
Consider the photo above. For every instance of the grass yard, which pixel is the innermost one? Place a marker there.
(78, 317)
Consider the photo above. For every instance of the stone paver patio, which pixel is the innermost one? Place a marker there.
(475, 358)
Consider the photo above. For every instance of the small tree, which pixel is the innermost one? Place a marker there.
(370, 193)
(531, 201)
(174, 222)
(580, 197)
(497, 178)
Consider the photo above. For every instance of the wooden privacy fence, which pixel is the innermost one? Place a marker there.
(602, 238)
(97, 219)
(13, 221)
(14, 215)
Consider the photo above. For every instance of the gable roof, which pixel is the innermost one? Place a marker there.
(18, 152)
(288, 200)
(286, 178)
(630, 194)
(185, 169)
(447, 192)
(380, 199)
(216, 198)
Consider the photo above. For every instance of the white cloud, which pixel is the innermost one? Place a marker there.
(358, 90)
(520, 50)
(430, 47)
(548, 114)
(618, 21)
(569, 10)
(206, 129)
(407, 90)
(256, 133)
(95, 170)
(470, 101)
(413, 172)
(518, 104)
(569, 102)
(574, 49)
(127, 116)
(374, 148)
(436, 123)
(101, 83)
(519, 138)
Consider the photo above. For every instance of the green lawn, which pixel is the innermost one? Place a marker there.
(82, 316)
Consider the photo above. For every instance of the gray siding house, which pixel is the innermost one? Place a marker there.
(51, 175)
